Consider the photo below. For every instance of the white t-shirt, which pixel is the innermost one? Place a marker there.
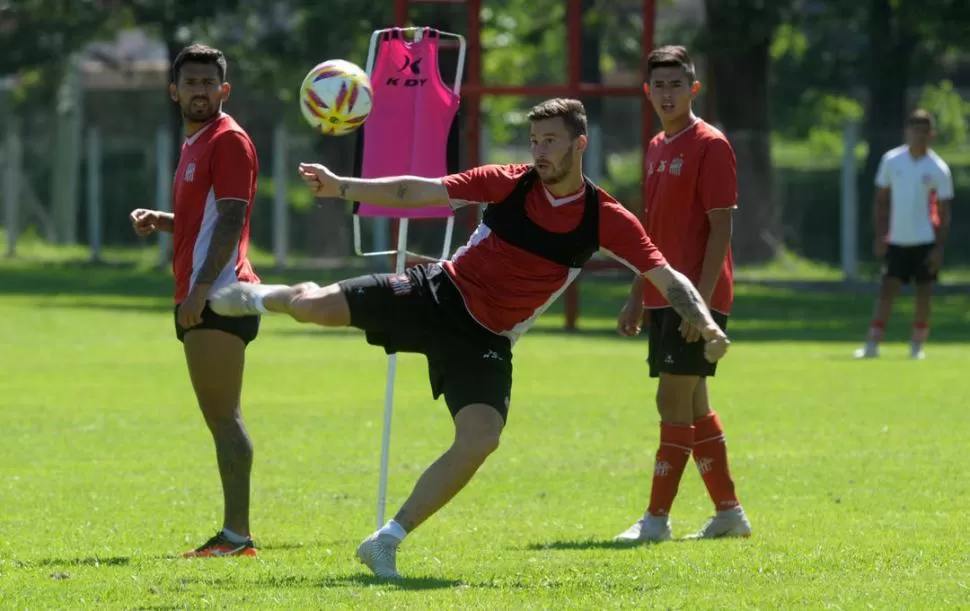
(914, 187)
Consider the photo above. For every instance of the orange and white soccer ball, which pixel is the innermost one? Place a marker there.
(336, 97)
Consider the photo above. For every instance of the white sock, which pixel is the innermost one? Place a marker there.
(258, 302)
(394, 529)
(233, 537)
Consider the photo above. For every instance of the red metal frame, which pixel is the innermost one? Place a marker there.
(473, 89)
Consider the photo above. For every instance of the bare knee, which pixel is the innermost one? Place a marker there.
(675, 398)
(478, 430)
(474, 449)
(324, 306)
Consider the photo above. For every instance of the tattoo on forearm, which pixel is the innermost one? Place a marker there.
(225, 236)
(342, 189)
(402, 190)
(685, 299)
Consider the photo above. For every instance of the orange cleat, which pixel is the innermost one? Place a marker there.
(220, 546)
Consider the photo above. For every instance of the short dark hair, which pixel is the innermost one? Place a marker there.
(572, 112)
(200, 54)
(920, 116)
(671, 56)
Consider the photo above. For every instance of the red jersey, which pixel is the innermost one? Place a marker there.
(688, 175)
(217, 162)
(506, 288)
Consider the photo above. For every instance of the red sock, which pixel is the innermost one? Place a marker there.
(876, 330)
(921, 331)
(710, 456)
(676, 441)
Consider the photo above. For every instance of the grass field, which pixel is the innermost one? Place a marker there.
(853, 473)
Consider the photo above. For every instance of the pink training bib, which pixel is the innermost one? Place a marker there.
(407, 130)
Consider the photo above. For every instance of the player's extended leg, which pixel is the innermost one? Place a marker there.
(888, 289)
(675, 402)
(306, 302)
(921, 318)
(710, 456)
(216, 360)
(478, 428)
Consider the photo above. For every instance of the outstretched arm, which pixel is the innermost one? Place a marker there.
(394, 191)
(685, 299)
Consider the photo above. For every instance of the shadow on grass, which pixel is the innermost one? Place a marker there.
(94, 561)
(589, 544)
(581, 545)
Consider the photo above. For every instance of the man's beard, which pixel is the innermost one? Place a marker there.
(564, 167)
(205, 112)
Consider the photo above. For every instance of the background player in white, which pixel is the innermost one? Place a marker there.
(911, 218)
(541, 223)
(213, 192)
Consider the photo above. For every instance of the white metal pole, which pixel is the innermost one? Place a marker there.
(163, 187)
(280, 216)
(94, 192)
(11, 184)
(402, 241)
(850, 204)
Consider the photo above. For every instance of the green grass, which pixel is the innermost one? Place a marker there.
(852, 472)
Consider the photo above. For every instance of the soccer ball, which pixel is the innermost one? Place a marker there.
(336, 97)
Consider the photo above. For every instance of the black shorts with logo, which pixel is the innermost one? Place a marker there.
(909, 263)
(421, 311)
(668, 352)
(245, 328)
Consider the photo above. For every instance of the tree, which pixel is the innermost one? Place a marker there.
(38, 36)
(737, 41)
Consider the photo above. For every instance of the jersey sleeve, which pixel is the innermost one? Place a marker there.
(233, 167)
(944, 186)
(623, 238)
(487, 184)
(717, 181)
(882, 173)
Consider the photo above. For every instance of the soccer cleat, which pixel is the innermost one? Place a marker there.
(220, 546)
(379, 553)
(650, 528)
(727, 523)
(869, 351)
(239, 298)
(916, 351)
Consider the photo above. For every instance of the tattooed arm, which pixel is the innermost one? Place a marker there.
(685, 299)
(394, 191)
(225, 236)
(391, 191)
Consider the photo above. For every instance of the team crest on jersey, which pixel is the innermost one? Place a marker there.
(190, 172)
(927, 180)
(675, 166)
(662, 166)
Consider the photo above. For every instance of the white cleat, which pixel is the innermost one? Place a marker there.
(869, 351)
(727, 523)
(649, 528)
(239, 298)
(916, 352)
(379, 553)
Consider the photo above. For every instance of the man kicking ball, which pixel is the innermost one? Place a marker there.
(542, 222)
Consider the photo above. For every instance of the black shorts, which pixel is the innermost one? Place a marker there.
(245, 328)
(909, 264)
(421, 311)
(668, 352)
